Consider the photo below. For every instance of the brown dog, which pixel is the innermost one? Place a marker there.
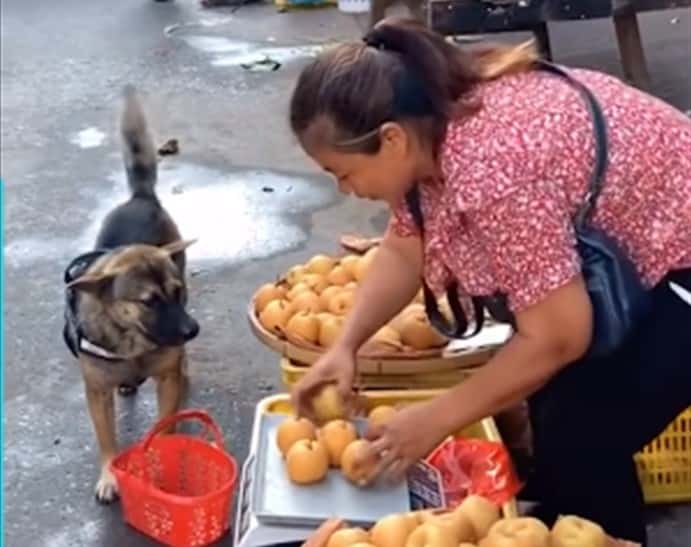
(125, 317)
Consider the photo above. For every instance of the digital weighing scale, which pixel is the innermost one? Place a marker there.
(272, 510)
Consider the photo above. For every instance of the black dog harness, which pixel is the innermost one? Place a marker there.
(72, 332)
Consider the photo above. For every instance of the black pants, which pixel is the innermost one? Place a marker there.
(590, 420)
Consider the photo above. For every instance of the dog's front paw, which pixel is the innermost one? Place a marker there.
(106, 487)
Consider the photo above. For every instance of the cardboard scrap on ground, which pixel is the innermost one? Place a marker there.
(359, 244)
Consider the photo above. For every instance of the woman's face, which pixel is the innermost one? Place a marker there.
(386, 175)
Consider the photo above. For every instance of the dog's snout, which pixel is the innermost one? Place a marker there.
(189, 329)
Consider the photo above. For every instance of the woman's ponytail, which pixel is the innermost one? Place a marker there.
(429, 63)
(402, 71)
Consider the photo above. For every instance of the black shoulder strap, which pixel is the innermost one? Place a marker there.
(597, 178)
(460, 326)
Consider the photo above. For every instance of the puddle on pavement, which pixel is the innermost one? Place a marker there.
(91, 137)
(236, 217)
(227, 52)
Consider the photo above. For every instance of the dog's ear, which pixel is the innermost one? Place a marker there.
(92, 283)
(178, 246)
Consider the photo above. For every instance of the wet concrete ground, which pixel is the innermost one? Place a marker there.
(240, 184)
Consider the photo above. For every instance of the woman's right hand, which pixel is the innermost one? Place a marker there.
(391, 282)
(336, 366)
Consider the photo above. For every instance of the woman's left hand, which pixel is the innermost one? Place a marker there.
(410, 435)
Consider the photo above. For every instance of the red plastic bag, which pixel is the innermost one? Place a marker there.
(475, 466)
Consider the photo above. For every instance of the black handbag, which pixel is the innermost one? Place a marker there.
(618, 297)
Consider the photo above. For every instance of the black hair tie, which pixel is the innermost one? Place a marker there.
(372, 41)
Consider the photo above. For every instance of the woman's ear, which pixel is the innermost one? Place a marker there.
(394, 139)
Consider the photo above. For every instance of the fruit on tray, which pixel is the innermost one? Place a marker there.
(328, 294)
(306, 300)
(275, 315)
(481, 513)
(295, 275)
(339, 276)
(266, 294)
(572, 531)
(392, 531)
(358, 463)
(315, 282)
(348, 262)
(292, 430)
(379, 415)
(456, 524)
(431, 534)
(417, 332)
(347, 537)
(295, 290)
(307, 461)
(336, 435)
(327, 285)
(330, 328)
(321, 264)
(304, 325)
(414, 306)
(453, 528)
(328, 405)
(517, 532)
(386, 337)
(341, 302)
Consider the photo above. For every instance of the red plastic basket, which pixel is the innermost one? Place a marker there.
(178, 489)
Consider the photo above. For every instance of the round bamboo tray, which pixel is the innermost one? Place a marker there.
(394, 362)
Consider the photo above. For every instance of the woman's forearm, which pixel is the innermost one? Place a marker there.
(549, 335)
(517, 371)
(391, 283)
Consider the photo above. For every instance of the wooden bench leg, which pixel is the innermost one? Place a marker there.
(541, 34)
(631, 49)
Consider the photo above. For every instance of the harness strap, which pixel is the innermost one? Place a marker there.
(72, 333)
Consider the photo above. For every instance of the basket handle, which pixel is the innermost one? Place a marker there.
(192, 414)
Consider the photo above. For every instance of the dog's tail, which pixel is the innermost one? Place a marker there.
(138, 147)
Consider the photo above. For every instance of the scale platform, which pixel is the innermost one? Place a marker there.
(272, 511)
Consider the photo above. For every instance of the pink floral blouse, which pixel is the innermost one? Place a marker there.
(515, 173)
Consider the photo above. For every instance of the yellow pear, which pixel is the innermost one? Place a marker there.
(320, 264)
(292, 430)
(305, 326)
(295, 274)
(339, 276)
(327, 294)
(336, 436)
(328, 404)
(307, 301)
(265, 294)
(348, 537)
(417, 332)
(275, 315)
(330, 329)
